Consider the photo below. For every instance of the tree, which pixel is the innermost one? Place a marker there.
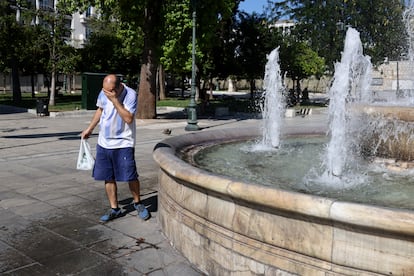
(323, 24)
(251, 32)
(382, 32)
(113, 46)
(176, 46)
(133, 18)
(61, 55)
(12, 40)
(152, 18)
(146, 16)
(35, 56)
(100, 53)
(222, 53)
(150, 60)
(299, 61)
(27, 33)
(162, 38)
(214, 21)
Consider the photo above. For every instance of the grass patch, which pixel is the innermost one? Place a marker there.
(174, 102)
(234, 105)
(67, 102)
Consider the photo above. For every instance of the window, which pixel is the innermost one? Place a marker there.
(46, 4)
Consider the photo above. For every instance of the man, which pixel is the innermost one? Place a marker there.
(115, 160)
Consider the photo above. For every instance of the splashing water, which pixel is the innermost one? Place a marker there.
(350, 87)
(408, 17)
(273, 106)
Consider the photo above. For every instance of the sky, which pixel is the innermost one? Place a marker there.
(250, 6)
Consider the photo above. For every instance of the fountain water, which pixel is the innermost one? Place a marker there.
(408, 17)
(273, 107)
(350, 86)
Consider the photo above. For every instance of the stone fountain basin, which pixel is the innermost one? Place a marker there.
(228, 227)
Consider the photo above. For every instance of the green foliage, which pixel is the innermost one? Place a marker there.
(98, 54)
(299, 61)
(132, 41)
(177, 39)
(36, 55)
(35, 41)
(12, 38)
(72, 6)
(323, 24)
(115, 44)
(251, 32)
(383, 31)
(213, 19)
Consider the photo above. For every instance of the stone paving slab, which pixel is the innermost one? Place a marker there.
(49, 211)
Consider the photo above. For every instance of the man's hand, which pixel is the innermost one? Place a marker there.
(86, 133)
(111, 94)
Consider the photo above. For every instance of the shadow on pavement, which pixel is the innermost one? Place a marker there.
(6, 109)
(151, 203)
(73, 135)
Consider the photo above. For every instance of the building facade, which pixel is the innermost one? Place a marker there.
(79, 33)
(77, 23)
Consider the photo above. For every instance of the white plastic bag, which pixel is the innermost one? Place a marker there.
(85, 157)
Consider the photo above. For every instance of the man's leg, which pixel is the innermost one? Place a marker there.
(112, 193)
(134, 187)
(142, 211)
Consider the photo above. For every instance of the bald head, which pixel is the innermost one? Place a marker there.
(111, 82)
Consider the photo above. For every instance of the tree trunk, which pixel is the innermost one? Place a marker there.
(32, 83)
(161, 74)
(53, 76)
(52, 88)
(147, 92)
(182, 86)
(147, 96)
(210, 89)
(17, 93)
(252, 87)
(298, 90)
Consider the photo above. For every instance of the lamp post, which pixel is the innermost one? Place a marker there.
(191, 109)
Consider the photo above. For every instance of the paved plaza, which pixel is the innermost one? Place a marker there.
(49, 211)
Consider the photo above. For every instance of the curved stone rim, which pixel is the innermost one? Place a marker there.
(356, 214)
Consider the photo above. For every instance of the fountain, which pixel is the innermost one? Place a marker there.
(273, 107)
(229, 226)
(351, 74)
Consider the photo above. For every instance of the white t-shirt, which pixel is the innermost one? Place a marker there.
(114, 132)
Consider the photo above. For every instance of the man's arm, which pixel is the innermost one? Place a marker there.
(94, 122)
(127, 116)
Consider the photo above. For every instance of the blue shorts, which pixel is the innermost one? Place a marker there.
(115, 164)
